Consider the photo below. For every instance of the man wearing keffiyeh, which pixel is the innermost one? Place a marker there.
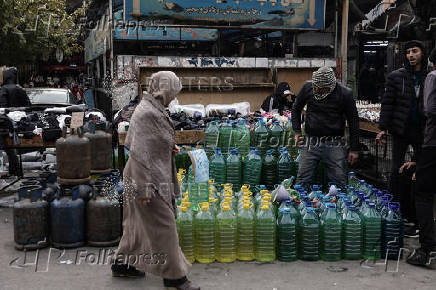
(329, 105)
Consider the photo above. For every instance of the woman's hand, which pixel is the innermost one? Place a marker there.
(176, 149)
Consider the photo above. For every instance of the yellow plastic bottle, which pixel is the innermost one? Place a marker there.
(225, 235)
(204, 230)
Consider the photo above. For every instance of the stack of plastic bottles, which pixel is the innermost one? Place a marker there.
(359, 222)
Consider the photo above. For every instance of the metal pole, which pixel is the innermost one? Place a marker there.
(344, 41)
(336, 28)
(111, 27)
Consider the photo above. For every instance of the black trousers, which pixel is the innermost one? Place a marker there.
(412, 136)
(407, 192)
(426, 189)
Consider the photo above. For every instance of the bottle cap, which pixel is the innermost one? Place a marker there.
(184, 208)
(204, 206)
(265, 207)
(225, 207)
(246, 205)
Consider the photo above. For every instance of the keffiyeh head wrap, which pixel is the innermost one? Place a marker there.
(324, 77)
(164, 86)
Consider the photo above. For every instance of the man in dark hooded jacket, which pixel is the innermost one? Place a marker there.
(279, 100)
(11, 94)
(402, 116)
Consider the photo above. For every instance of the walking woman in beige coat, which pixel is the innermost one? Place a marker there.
(150, 242)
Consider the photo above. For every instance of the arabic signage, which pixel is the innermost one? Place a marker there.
(268, 14)
(132, 30)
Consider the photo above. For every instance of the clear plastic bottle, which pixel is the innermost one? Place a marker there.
(217, 167)
(185, 232)
(225, 235)
(287, 236)
(331, 235)
(245, 233)
(372, 233)
(212, 138)
(352, 234)
(269, 170)
(265, 235)
(204, 229)
(309, 236)
(234, 169)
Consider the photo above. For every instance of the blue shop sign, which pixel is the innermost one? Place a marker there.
(271, 14)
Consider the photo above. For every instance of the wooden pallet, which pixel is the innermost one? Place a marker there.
(190, 136)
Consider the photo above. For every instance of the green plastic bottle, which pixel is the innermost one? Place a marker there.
(211, 138)
(352, 234)
(269, 170)
(204, 230)
(217, 167)
(372, 233)
(241, 138)
(185, 232)
(245, 233)
(252, 168)
(276, 136)
(331, 235)
(225, 235)
(198, 192)
(234, 169)
(284, 166)
(287, 236)
(225, 132)
(265, 235)
(261, 138)
(309, 236)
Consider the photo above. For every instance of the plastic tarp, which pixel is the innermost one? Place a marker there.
(242, 108)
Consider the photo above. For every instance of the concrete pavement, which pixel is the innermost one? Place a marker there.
(64, 273)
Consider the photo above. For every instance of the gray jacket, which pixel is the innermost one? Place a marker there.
(430, 110)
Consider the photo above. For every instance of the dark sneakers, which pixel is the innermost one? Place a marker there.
(419, 257)
(411, 231)
(126, 271)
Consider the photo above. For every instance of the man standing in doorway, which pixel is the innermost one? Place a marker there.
(402, 117)
(426, 176)
(329, 104)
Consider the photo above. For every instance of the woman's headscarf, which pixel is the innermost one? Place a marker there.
(164, 86)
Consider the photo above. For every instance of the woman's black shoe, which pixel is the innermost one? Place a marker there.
(126, 271)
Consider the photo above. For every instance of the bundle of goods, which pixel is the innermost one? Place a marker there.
(368, 112)
(288, 223)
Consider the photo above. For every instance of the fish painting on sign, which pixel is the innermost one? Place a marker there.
(278, 14)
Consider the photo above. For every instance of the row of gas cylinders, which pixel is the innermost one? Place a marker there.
(68, 217)
(80, 155)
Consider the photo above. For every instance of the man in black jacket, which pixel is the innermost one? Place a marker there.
(401, 115)
(425, 176)
(329, 104)
(11, 94)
